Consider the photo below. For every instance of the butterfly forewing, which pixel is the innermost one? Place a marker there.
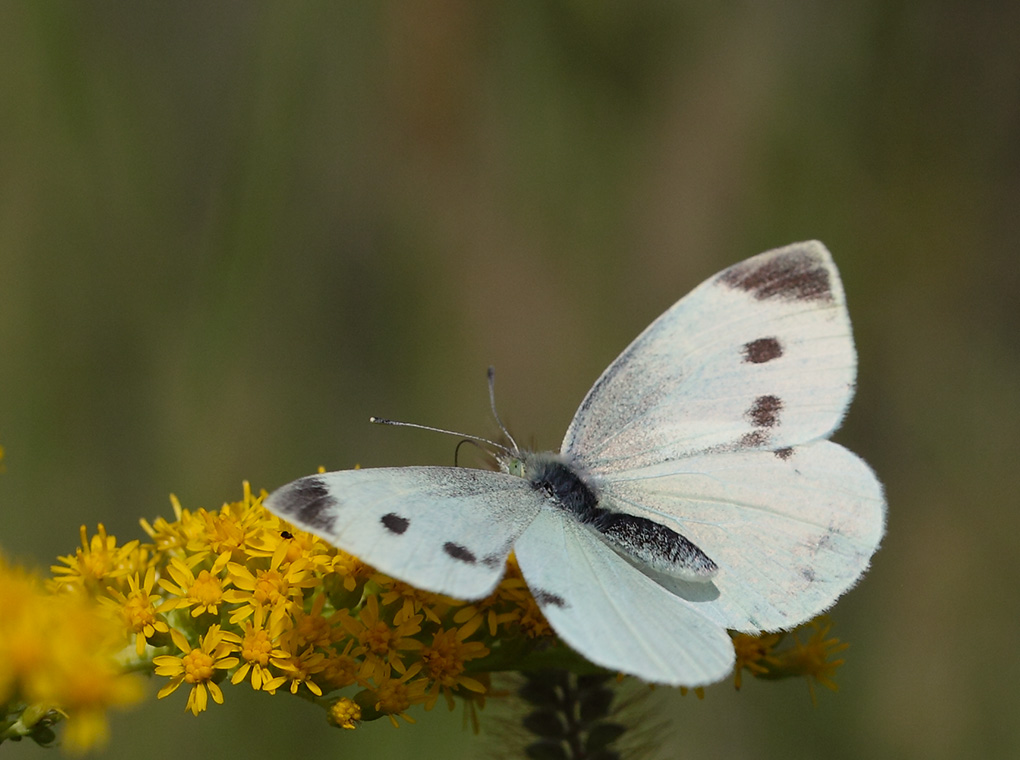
(443, 529)
(758, 357)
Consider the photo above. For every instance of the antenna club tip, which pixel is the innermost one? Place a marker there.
(491, 372)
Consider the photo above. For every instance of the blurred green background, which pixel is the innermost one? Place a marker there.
(230, 232)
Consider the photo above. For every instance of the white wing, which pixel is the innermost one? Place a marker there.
(613, 614)
(758, 357)
(790, 530)
(443, 529)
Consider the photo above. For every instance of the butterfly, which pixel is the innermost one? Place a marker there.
(695, 490)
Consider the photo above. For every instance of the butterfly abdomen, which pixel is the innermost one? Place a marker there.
(661, 547)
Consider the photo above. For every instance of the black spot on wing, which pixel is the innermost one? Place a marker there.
(394, 523)
(762, 350)
(764, 412)
(791, 276)
(309, 502)
(756, 439)
(807, 574)
(784, 453)
(459, 552)
(549, 599)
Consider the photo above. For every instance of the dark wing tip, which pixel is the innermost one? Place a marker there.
(306, 502)
(798, 272)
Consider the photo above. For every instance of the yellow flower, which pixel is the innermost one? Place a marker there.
(754, 653)
(301, 667)
(345, 713)
(229, 532)
(342, 668)
(380, 640)
(97, 563)
(204, 592)
(198, 666)
(813, 658)
(224, 533)
(443, 662)
(765, 658)
(274, 587)
(394, 696)
(169, 536)
(257, 651)
(137, 608)
(312, 628)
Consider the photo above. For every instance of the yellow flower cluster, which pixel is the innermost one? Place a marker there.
(57, 658)
(236, 596)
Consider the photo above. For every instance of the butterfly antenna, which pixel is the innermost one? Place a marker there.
(477, 439)
(477, 445)
(492, 405)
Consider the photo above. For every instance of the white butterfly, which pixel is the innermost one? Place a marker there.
(694, 491)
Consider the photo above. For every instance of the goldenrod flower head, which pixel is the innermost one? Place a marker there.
(754, 654)
(345, 713)
(394, 696)
(770, 656)
(138, 608)
(301, 665)
(343, 668)
(258, 651)
(96, 564)
(202, 592)
(381, 641)
(443, 661)
(814, 658)
(198, 666)
(169, 535)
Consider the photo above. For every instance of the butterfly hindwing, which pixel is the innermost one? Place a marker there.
(758, 357)
(613, 614)
(790, 530)
(443, 529)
